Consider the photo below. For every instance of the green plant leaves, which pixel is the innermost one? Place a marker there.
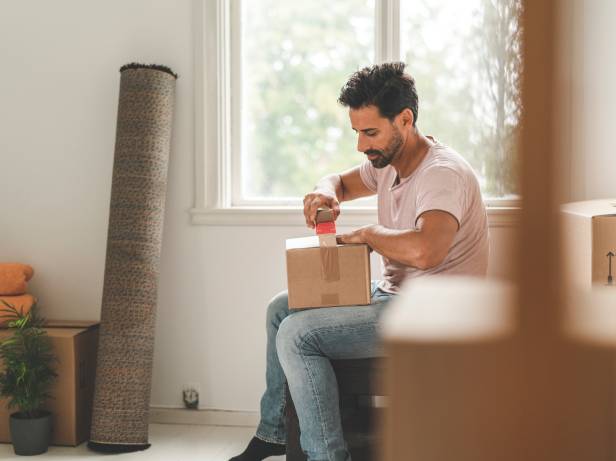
(27, 358)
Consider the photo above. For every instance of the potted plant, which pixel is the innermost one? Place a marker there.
(26, 374)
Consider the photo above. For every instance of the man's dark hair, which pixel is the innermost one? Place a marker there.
(385, 86)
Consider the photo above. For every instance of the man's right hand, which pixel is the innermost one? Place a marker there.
(316, 199)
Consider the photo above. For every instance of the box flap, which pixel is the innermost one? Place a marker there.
(54, 323)
(590, 208)
(53, 332)
(311, 242)
(64, 332)
(77, 324)
(302, 242)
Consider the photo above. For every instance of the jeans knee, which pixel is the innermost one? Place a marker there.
(293, 337)
(277, 309)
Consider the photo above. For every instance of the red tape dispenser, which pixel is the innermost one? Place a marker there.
(325, 223)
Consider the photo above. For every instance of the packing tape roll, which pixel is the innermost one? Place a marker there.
(324, 215)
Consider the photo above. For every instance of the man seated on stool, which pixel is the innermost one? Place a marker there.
(432, 220)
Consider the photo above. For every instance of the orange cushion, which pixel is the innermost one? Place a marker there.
(14, 278)
(22, 301)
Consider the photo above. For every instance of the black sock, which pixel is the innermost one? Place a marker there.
(258, 450)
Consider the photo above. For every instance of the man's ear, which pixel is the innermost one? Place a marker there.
(406, 117)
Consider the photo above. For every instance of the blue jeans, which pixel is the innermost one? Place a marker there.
(300, 344)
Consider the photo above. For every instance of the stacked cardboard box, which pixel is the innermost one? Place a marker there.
(589, 243)
(75, 345)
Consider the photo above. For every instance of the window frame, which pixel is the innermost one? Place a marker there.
(217, 145)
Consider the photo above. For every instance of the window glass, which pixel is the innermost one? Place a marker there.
(466, 60)
(295, 58)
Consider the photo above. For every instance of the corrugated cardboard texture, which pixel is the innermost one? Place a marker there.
(72, 392)
(309, 286)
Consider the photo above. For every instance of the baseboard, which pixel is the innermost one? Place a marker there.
(163, 415)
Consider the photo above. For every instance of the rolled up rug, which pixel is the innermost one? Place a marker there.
(126, 342)
(14, 278)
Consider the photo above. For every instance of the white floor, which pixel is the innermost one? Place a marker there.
(170, 442)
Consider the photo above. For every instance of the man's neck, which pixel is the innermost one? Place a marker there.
(414, 151)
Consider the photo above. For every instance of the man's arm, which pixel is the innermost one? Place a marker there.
(422, 248)
(333, 189)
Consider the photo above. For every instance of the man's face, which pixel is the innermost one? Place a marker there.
(378, 138)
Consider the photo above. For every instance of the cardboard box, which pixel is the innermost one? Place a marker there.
(589, 237)
(75, 345)
(321, 273)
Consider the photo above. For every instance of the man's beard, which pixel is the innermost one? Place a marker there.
(386, 156)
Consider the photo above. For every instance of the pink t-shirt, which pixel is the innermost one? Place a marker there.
(442, 181)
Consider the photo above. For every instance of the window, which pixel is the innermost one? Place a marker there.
(294, 58)
(274, 126)
(466, 60)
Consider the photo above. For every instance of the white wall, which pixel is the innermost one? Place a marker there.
(593, 167)
(58, 104)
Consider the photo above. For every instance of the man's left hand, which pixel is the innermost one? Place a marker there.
(357, 236)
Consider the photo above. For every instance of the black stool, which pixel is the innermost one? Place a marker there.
(356, 384)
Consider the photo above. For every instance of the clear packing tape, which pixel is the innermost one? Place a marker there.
(330, 262)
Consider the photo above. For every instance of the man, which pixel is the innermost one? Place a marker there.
(431, 221)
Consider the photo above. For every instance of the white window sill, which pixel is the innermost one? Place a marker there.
(293, 216)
